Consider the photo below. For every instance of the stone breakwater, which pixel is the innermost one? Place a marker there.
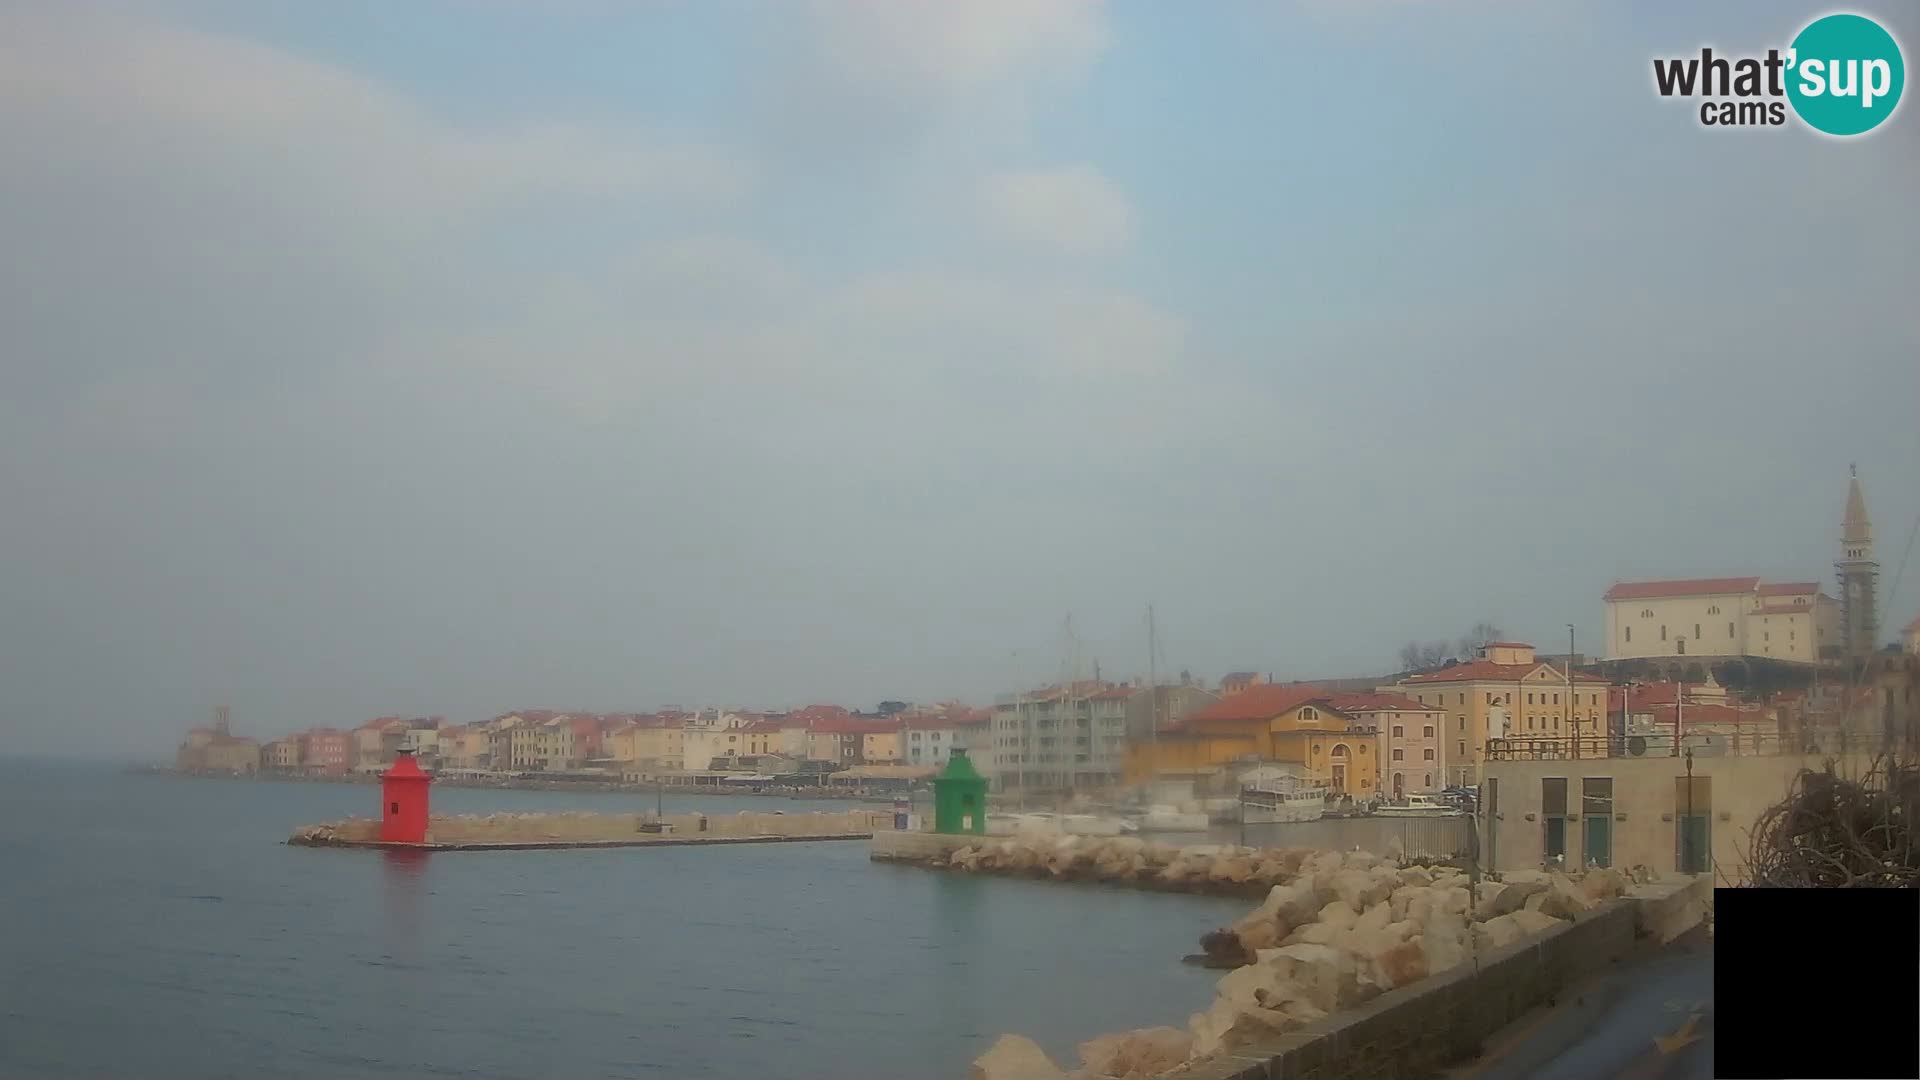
(1219, 869)
(482, 831)
(1335, 931)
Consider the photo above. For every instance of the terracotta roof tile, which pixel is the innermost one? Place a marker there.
(1793, 588)
(1488, 671)
(1377, 701)
(1651, 590)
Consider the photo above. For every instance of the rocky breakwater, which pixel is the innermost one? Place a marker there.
(1125, 860)
(1342, 929)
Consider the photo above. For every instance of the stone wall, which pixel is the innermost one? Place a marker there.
(1412, 1032)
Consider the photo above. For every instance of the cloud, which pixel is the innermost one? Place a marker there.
(1075, 210)
(874, 78)
(111, 95)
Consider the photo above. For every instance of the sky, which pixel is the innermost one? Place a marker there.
(450, 357)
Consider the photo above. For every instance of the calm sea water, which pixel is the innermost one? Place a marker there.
(159, 927)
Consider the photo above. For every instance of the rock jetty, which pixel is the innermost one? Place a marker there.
(1334, 931)
(1223, 869)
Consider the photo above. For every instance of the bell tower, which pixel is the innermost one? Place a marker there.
(1859, 575)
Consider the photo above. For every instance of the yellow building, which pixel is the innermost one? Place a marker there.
(1508, 693)
(1263, 724)
(657, 742)
(281, 755)
(225, 753)
(880, 743)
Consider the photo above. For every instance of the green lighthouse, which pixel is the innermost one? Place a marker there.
(960, 797)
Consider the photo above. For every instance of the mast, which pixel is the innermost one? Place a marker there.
(1153, 707)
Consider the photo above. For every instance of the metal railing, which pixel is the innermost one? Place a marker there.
(1713, 743)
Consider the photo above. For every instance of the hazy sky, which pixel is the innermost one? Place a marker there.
(450, 357)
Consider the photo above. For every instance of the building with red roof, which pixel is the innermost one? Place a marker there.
(1407, 737)
(1506, 691)
(1293, 724)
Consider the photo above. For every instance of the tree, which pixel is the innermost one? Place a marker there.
(1481, 635)
(1410, 656)
(889, 708)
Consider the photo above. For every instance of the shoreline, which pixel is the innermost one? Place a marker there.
(585, 787)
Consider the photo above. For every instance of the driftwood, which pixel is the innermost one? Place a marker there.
(1834, 831)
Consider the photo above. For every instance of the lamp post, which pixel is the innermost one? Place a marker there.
(1573, 729)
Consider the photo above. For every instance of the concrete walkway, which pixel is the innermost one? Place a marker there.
(1647, 1019)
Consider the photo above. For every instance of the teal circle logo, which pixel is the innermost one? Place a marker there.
(1845, 74)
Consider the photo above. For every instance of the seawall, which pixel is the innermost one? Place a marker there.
(1414, 1032)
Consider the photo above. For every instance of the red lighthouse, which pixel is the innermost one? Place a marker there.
(403, 802)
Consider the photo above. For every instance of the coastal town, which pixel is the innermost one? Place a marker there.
(1721, 670)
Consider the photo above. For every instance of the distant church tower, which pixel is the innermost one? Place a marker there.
(1859, 575)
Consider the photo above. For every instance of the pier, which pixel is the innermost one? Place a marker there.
(530, 832)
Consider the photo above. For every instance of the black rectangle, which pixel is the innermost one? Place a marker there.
(1816, 983)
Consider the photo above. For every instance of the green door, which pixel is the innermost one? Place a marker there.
(1696, 840)
(1556, 838)
(1598, 848)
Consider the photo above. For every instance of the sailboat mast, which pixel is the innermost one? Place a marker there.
(1153, 702)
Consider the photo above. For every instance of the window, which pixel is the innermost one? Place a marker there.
(1729, 629)
(1663, 631)
(1459, 723)
(1629, 633)
(1399, 755)
(935, 736)
(1463, 699)
(1399, 731)
(1363, 748)
(1462, 747)
(1556, 699)
(1696, 631)
(1529, 699)
(1429, 779)
(1307, 714)
(1646, 613)
(1428, 754)
(1714, 610)
(1428, 733)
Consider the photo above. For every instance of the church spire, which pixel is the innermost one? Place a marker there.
(1859, 575)
(1855, 528)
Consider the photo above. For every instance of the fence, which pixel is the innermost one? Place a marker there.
(1429, 839)
(1703, 743)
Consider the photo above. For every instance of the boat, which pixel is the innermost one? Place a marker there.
(1069, 824)
(1282, 799)
(1161, 818)
(1418, 806)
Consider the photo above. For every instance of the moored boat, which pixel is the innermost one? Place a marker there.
(1418, 806)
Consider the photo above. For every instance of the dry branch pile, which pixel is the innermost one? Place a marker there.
(1837, 832)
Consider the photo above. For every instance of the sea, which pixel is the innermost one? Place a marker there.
(157, 926)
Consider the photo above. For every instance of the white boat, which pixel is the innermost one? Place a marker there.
(1069, 824)
(1418, 806)
(1282, 799)
(1170, 819)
